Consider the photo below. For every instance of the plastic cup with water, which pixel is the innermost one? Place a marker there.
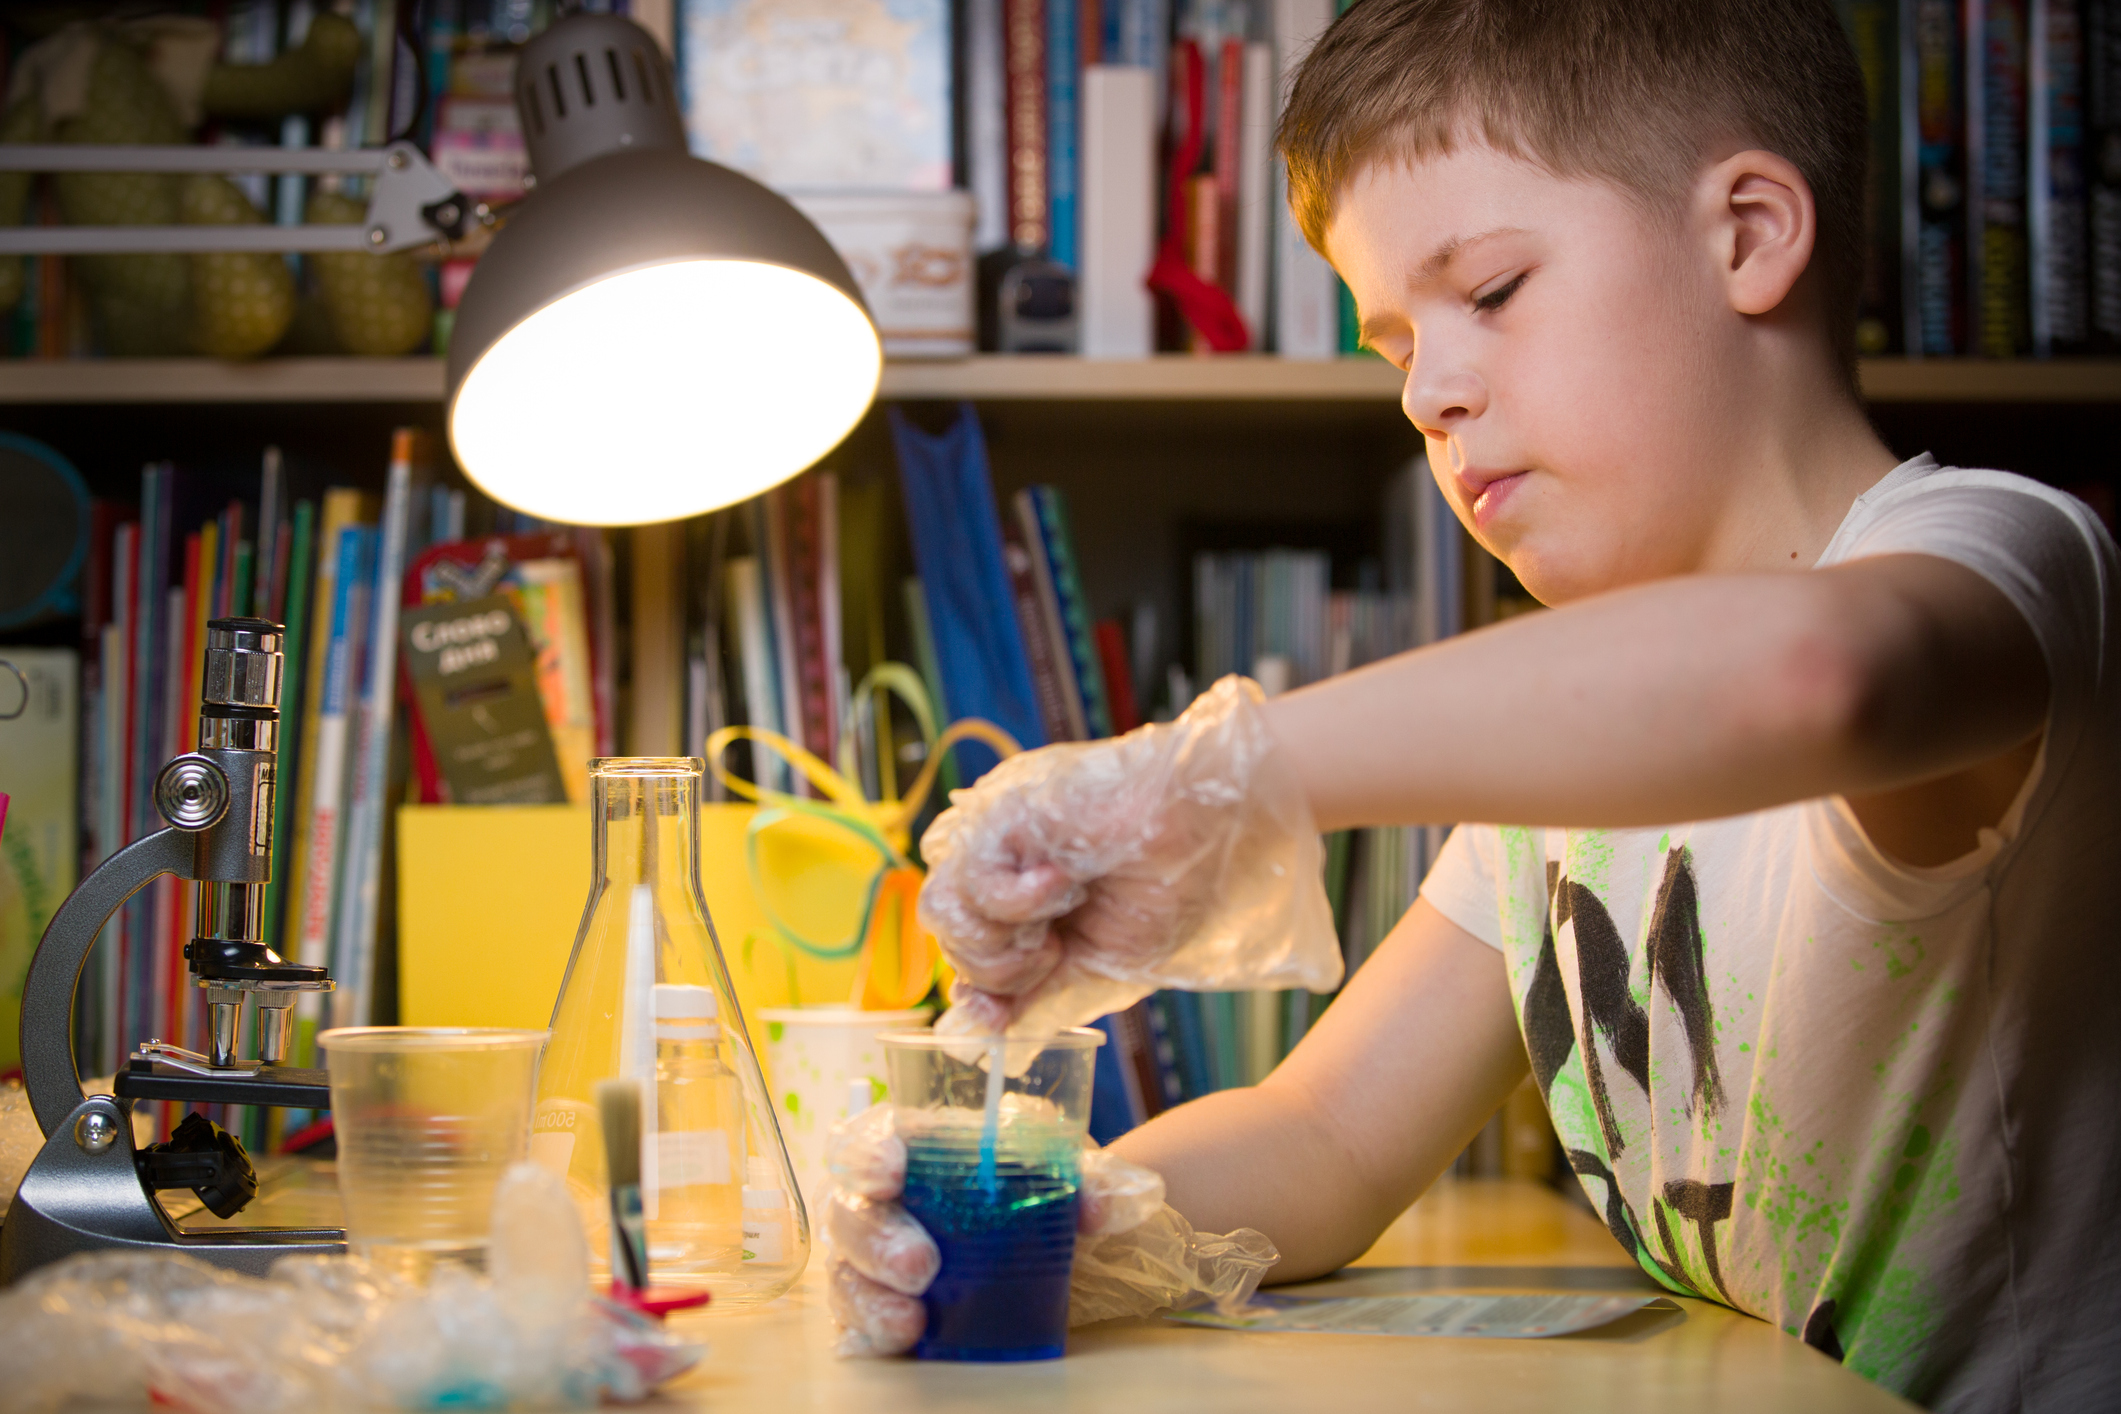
(427, 1119)
(998, 1197)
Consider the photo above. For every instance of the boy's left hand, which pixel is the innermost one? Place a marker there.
(879, 1259)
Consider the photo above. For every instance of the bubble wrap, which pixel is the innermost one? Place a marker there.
(330, 1334)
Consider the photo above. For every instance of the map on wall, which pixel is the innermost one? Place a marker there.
(846, 94)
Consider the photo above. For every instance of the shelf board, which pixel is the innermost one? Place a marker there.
(990, 378)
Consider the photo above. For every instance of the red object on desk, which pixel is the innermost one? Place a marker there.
(658, 1301)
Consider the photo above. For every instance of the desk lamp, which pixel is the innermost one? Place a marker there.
(650, 335)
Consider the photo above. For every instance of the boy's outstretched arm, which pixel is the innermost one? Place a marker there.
(1382, 1094)
(1897, 681)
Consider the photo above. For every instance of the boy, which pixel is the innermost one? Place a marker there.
(1842, 1052)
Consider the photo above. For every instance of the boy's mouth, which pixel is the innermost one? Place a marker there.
(1486, 491)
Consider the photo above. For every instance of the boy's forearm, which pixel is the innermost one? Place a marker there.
(1248, 1158)
(1685, 699)
(1381, 1095)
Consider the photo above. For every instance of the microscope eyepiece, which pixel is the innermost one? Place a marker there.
(243, 666)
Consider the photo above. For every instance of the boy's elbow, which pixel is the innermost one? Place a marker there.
(1829, 684)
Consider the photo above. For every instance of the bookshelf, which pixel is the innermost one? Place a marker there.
(1174, 378)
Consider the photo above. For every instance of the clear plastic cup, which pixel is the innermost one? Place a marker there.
(427, 1119)
(1003, 1219)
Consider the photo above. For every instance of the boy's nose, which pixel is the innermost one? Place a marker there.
(1440, 398)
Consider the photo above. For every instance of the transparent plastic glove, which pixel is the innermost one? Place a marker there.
(1163, 1264)
(1134, 1254)
(1075, 880)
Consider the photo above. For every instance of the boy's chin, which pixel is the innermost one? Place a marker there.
(1556, 579)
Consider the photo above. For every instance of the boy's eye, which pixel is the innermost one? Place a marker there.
(1498, 297)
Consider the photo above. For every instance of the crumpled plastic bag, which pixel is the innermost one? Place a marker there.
(1163, 1264)
(1075, 880)
(332, 1333)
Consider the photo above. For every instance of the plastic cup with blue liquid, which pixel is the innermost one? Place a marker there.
(993, 1171)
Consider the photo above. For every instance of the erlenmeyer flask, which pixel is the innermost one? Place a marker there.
(647, 997)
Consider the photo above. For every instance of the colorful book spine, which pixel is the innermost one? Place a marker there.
(1074, 604)
(2056, 215)
(1118, 316)
(1254, 203)
(746, 601)
(298, 562)
(986, 124)
(1996, 163)
(1119, 675)
(1024, 57)
(1040, 643)
(1063, 130)
(1874, 30)
(1306, 320)
(358, 916)
(1934, 209)
(1031, 535)
(307, 861)
(2102, 101)
(805, 505)
(1228, 153)
(353, 577)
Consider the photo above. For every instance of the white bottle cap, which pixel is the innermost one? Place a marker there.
(685, 1013)
(762, 1184)
(682, 1001)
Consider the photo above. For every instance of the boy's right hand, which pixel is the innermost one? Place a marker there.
(1072, 881)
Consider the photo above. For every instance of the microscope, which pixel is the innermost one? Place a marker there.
(90, 1188)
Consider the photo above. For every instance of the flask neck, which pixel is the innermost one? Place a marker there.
(646, 826)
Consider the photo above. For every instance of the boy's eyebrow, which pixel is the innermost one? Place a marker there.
(1440, 259)
(1375, 326)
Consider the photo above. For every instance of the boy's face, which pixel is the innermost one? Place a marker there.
(1568, 360)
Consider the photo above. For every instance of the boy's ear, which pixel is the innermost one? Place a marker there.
(1765, 223)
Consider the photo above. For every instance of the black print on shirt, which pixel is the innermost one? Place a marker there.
(1608, 1006)
(1676, 961)
(1677, 965)
(1549, 1033)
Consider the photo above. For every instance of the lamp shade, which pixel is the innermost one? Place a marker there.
(650, 335)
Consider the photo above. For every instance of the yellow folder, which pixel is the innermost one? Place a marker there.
(489, 898)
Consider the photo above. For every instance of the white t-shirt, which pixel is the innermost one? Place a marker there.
(1874, 1104)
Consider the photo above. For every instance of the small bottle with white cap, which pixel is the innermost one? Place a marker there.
(695, 1222)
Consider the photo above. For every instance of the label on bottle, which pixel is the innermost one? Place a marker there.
(765, 1235)
(692, 1156)
(552, 1151)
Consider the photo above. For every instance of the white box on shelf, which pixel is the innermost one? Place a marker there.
(911, 253)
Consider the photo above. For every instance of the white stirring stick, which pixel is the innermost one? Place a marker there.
(993, 1123)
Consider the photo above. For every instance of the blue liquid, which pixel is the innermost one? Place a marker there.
(1002, 1293)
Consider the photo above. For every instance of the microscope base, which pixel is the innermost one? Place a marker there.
(83, 1194)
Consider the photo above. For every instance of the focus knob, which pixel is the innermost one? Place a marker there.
(192, 793)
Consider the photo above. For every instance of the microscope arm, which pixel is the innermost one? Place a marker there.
(48, 1071)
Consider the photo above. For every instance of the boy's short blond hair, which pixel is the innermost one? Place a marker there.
(1632, 91)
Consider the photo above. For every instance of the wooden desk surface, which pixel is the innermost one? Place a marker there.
(1464, 1236)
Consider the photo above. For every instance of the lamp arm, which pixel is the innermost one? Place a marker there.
(410, 204)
